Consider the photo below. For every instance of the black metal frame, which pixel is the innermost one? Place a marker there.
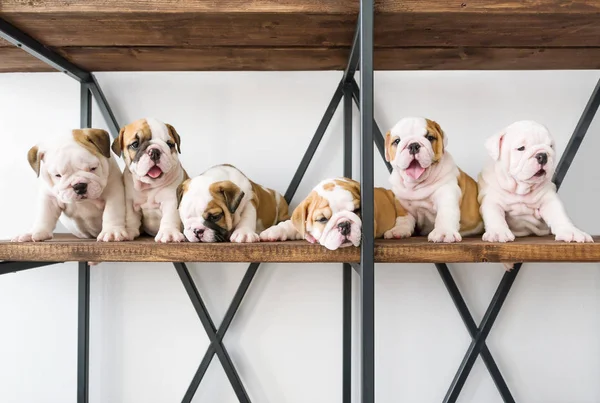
(370, 136)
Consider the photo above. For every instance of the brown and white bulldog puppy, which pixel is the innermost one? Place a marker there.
(150, 149)
(81, 185)
(441, 197)
(330, 216)
(516, 191)
(222, 204)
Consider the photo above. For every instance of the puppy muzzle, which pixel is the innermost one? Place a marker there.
(342, 229)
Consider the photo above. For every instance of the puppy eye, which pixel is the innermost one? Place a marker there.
(170, 144)
(522, 148)
(93, 169)
(357, 211)
(322, 220)
(396, 142)
(58, 175)
(430, 137)
(134, 145)
(214, 217)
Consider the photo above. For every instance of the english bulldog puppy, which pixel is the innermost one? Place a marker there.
(427, 182)
(81, 186)
(516, 192)
(330, 216)
(222, 204)
(153, 172)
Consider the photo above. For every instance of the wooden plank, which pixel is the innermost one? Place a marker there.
(272, 59)
(315, 30)
(412, 250)
(302, 6)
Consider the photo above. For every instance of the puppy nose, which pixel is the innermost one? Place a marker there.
(80, 188)
(542, 158)
(413, 148)
(344, 227)
(154, 154)
(198, 232)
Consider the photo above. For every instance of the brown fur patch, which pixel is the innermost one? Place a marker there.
(387, 209)
(175, 136)
(182, 189)
(34, 157)
(350, 185)
(434, 129)
(96, 141)
(127, 135)
(311, 208)
(265, 204)
(390, 148)
(470, 218)
(218, 206)
(329, 186)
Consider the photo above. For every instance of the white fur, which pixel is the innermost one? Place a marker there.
(434, 198)
(515, 202)
(100, 213)
(152, 203)
(197, 197)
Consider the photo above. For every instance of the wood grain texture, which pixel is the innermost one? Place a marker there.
(413, 250)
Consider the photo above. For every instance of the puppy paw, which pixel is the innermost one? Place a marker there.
(572, 234)
(498, 235)
(443, 235)
(132, 233)
(169, 235)
(398, 232)
(33, 237)
(241, 235)
(273, 234)
(117, 234)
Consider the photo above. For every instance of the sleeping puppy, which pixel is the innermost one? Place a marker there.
(330, 216)
(427, 182)
(516, 191)
(222, 204)
(81, 185)
(150, 149)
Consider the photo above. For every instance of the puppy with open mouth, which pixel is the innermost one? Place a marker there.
(517, 195)
(81, 186)
(153, 172)
(222, 204)
(330, 216)
(441, 197)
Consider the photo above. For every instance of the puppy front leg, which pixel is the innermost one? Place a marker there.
(47, 215)
(281, 232)
(113, 217)
(403, 228)
(447, 220)
(170, 224)
(245, 231)
(553, 212)
(494, 220)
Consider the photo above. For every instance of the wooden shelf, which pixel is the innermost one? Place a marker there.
(166, 35)
(413, 250)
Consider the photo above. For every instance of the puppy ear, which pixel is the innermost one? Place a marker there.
(100, 139)
(117, 145)
(494, 145)
(181, 189)
(388, 143)
(173, 133)
(232, 194)
(35, 157)
(437, 127)
(300, 214)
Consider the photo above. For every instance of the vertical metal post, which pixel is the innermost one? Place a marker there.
(83, 334)
(367, 201)
(83, 306)
(347, 268)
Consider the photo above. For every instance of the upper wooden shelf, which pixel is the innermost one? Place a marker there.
(175, 35)
(412, 250)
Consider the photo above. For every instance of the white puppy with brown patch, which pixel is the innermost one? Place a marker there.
(150, 149)
(516, 192)
(222, 204)
(81, 185)
(427, 182)
(330, 216)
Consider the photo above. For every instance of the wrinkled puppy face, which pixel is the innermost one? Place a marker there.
(330, 214)
(150, 149)
(207, 209)
(75, 169)
(524, 150)
(413, 146)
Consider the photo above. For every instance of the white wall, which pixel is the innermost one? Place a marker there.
(286, 340)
